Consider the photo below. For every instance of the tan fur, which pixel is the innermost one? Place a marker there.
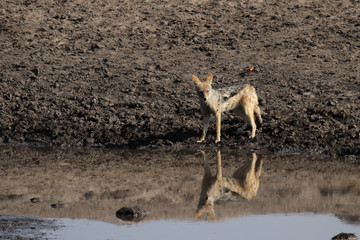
(244, 183)
(241, 99)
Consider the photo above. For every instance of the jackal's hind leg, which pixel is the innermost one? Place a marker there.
(205, 129)
(253, 125)
(249, 119)
(258, 116)
(246, 121)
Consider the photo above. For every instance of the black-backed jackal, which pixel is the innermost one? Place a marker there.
(244, 184)
(241, 99)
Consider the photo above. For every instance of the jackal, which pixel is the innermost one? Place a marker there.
(241, 99)
(244, 184)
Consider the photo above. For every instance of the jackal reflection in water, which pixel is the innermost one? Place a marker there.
(244, 183)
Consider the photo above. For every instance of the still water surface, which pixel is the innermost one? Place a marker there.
(292, 226)
(274, 197)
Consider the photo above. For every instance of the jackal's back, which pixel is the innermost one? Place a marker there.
(237, 96)
(229, 92)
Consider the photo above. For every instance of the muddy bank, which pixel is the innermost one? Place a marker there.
(94, 184)
(118, 73)
(22, 227)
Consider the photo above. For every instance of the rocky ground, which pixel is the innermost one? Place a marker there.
(118, 73)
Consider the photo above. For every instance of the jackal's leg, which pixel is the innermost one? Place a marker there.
(249, 118)
(243, 115)
(206, 126)
(218, 126)
(258, 116)
(252, 122)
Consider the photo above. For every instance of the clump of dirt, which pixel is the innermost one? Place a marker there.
(118, 73)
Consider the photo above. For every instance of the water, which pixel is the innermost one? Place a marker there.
(292, 226)
(296, 197)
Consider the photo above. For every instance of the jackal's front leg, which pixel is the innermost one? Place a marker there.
(206, 126)
(218, 126)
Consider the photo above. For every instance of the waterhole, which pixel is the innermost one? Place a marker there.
(75, 194)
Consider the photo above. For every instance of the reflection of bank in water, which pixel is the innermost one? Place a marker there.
(244, 184)
(95, 183)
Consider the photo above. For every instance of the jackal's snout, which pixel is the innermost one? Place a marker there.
(205, 98)
(206, 93)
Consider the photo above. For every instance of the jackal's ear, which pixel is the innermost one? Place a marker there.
(196, 81)
(209, 78)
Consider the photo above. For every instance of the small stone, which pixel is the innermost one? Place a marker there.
(58, 205)
(35, 200)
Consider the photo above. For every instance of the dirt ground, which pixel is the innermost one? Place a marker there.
(118, 73)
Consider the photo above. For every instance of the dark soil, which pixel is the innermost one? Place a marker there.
(22, 227)
(118, 73)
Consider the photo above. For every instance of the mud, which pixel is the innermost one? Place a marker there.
(22, 227)
(95, 184)
(118, 73)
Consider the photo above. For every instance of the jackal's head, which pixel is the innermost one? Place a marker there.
(203, 87)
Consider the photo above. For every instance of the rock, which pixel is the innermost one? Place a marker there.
(134, 214)
(345, 236)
